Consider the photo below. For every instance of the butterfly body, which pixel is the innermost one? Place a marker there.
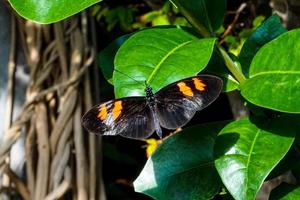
(171, 107)
(151, 102)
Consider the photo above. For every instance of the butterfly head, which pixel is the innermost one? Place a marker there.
(148, 91)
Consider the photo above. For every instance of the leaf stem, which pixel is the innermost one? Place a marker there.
(232, 66)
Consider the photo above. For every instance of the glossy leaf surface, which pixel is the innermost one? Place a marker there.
(159, 56)
(247, 150)
(282, 88)
(275, 75)
(45, 12)
(182, 167)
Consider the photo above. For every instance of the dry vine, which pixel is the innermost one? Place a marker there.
(60, 157)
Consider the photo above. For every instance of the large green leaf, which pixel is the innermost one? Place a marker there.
(45, 11)
(275, 75)
(247, 150)
(208, 14)
(269, 30)
(286, 192)
(159, 56)
(182, 167)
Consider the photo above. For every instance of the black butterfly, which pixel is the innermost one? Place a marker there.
(171, 107)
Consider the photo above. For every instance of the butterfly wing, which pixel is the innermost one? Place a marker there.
(129, 117)
(178, 102)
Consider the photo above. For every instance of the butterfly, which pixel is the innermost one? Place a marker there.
(139, 117)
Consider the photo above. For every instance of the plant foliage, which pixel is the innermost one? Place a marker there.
(241, 154)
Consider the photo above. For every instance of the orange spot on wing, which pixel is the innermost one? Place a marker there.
(117, 109)
(102, 112)
(186, 90)
(198, 84)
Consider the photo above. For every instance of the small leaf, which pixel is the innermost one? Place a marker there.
(248, 149)
(275, 69)
(45, 12)
(258, 21)
(182, 166)
(203, 13)
(159, 56)
(269, 30)
(106, 57)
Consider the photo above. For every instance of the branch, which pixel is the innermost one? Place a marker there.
(236, 17)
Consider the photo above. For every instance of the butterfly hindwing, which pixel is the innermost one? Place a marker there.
(129, 117)
(178, 102)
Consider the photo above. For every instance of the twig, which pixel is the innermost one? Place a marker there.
(60, 43)
(11, 74)
(236, 17)
(87, 99)
(10, 86)
(72, 81)
(20, 186)
(29, 145)
(62, 188)
(14, 132)
(92, 144)
(43, 151)
(60, 153)
(62, 165)
(67, 110)
(81, 168)
(94, 80)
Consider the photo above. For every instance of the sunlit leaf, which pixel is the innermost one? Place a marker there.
(45, 12)
(159, 56)
(247, 150)
(275, 75)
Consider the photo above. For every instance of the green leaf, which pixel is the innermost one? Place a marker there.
(286, 192)
(182, 167)
(259, 20)
(106, 57)
(45, 12)
(275, 75)
(269, 30)
(279, 92)
(159, 56)
(217, 66)
(203, 14)
(248, 149)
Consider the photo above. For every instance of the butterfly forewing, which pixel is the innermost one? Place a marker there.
(129, 117)
(178, 102)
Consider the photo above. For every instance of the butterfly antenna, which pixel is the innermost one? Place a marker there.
(139, 82)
